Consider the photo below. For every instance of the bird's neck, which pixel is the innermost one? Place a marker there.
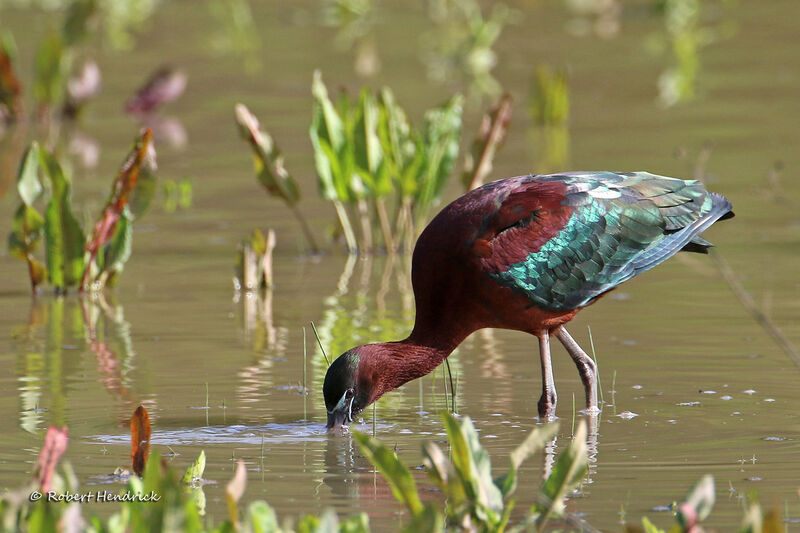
(397, 363)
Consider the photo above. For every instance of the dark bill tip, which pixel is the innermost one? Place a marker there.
(337, 419)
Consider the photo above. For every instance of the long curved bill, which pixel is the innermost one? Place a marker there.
(342, 414)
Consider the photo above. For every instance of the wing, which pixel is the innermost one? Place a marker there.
(563, 240)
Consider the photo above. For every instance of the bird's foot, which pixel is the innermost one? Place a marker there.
(547, 405)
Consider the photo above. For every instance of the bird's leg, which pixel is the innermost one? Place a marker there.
(586, 367)
(547, 403)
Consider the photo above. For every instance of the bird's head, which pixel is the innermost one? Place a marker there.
(348, 387)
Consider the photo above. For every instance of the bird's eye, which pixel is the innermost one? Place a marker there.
(349, 393)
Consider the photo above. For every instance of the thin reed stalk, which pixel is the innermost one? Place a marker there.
(748, 303)
(319, 342)
(594, 356)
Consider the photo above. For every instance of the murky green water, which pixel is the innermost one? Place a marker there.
(712, 392)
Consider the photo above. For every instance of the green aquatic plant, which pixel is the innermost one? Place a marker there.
(366, 150)
(254, 262)
(71, 259)
(270, 169)
(368, 158)
(475, 501)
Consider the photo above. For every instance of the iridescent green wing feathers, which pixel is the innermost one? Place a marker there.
(621, 225)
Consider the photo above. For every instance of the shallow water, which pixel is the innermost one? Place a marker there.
(712, 393)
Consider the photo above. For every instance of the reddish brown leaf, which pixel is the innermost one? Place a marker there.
(55, 443)
(9, 87)
(164, 85)
(120, 193)
(140, 439)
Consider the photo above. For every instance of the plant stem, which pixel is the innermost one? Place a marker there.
(748, 303)
(366, 226)
(312, 243)
(573, 415)
(452, 389)
(594, 356)
(386, 229)
(347, 228)
(500, 118)
(319, 342)
(266, 260)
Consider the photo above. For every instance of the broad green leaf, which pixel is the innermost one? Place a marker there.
(402, 482)
(533, 443)
(64, 238)
(258, 242)
(262, 518)
(142, 195)
(118, 250)
(197, 500)
(430, 520)
(355, 524)
(341, 178)
(17, 246)
(42, 517)
(441, 471)
(328, 522)
(441, 134)
(28, 225)
(196, 470)
(28, 183)
(366, 144)
(649, 527)
(307, 524)
(324, 156)
(397, 129)
(473, 465)
(24, 238)
(49, 69)
(410, 176)
(568, 472)
(332, 127)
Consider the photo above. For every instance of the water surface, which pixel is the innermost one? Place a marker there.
(711, 392)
